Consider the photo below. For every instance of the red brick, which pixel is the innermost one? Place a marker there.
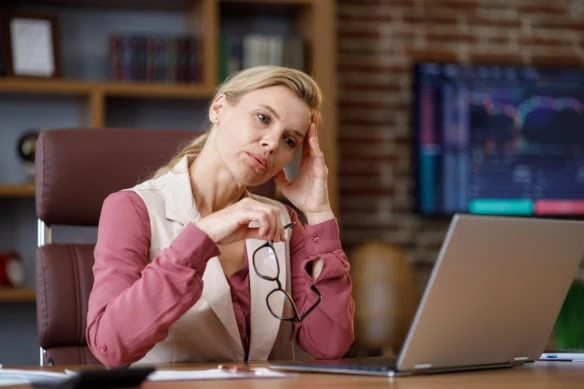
(429, 17)
(406, 36)
(355, 155)
(348, 143)
(381, 87)
(369, 49)
(455, 38)
(397, 3)
(386, 192)
(362, 2)
(499, 40)
(496, 58)
(547, 8)
(432, 55)
(372, 68)
(482, 20)
(558, 41)
(455, 4)
(556, 60)
(557, 23)
(373, 35)
(403, 140)
(373, 137)
(382, 17)
(368, 206)
(366, 174)
(369, 226)
(367, 122)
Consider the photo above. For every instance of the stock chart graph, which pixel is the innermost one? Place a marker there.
(545, 125)
(499, 140)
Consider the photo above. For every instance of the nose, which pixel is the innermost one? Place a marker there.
(269, 142)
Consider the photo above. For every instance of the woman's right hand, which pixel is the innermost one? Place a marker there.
(232, 223)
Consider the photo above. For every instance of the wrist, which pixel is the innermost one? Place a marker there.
(319, 217)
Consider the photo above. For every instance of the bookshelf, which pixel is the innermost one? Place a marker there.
(92, 99)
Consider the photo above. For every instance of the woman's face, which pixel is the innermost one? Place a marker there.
(257, 136)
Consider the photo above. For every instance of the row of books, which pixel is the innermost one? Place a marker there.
(165, 59)
(241, 52)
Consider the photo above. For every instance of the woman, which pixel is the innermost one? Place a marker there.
(189, 266)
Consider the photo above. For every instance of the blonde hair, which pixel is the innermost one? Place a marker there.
(248, 80)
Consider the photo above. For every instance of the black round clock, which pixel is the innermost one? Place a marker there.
(27, 145)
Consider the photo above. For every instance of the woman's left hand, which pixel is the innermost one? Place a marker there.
(309, 191)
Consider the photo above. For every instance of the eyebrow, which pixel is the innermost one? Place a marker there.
(295, 132)
(271, 110)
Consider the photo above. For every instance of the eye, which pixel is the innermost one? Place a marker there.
(291, 142)
(265, 119)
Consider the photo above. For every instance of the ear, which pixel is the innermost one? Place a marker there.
(216, 108)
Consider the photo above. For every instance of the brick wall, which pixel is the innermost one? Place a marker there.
(378, 41)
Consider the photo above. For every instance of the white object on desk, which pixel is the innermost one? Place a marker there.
(10, 377)
(213, 374)
(562, 356)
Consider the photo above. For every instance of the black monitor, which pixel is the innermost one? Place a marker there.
(501, 140)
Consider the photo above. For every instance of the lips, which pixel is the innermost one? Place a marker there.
(258, 161)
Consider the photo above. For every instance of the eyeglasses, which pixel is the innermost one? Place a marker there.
(270, 271)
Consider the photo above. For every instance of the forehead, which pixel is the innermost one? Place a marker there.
(292, 110)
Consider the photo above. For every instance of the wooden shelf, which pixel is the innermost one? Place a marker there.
(277, 2)
(87, 88)
(121, 4)
(17, 295)
(146, 4)
(151, 90)
(16, 190)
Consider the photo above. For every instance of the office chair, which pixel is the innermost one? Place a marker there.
(75, 170)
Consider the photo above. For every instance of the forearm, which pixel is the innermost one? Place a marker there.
(327, 332)
(129, 311)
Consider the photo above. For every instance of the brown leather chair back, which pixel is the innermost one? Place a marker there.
(75, 170)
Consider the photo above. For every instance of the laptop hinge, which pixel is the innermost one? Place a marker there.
(422, 366)
(519, 360)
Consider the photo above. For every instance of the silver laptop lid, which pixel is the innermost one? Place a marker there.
(494, 293)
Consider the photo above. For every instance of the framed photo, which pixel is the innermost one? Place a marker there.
(31, 47)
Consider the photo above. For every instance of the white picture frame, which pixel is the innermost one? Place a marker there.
(32, 45)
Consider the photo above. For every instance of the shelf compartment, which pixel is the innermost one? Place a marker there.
(17, 295)
(16, 190)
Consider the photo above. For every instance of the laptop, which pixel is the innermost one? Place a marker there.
(491, 301)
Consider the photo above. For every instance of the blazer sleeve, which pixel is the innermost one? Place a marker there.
(328, 331)
(134, 301)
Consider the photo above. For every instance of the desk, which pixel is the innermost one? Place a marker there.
(539, 375)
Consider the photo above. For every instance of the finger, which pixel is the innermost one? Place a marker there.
(306, 149)
(253, 212)
(252, 233)
(316, 151)
(316, 118)
(269, 221)
(280, 233)
(267, 218)
(277, 227)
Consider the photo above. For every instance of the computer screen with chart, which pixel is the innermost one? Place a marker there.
(503, 140)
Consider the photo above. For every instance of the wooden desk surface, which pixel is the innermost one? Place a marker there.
(539, 375)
